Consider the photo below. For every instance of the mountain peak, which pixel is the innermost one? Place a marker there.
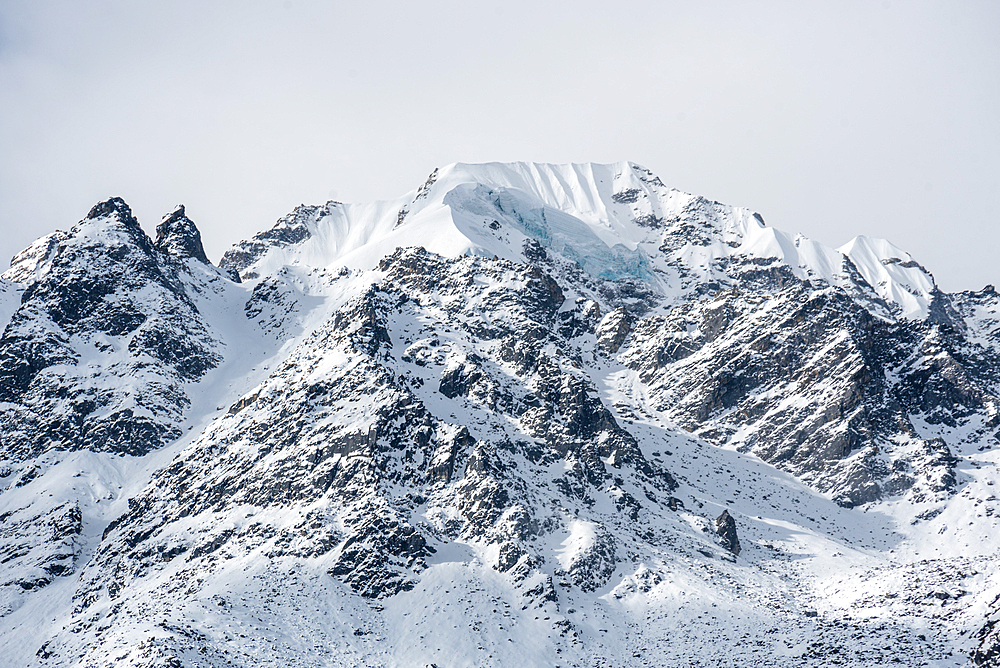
(177, 235)
(113, 207)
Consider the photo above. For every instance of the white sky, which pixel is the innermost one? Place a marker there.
(830, 118)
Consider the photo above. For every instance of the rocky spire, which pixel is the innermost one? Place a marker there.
(177, 235)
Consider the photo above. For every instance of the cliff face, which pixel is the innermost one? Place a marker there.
(526, 414)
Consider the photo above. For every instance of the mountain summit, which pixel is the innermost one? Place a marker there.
(526, 414)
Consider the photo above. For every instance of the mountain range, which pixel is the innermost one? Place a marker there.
(524, 415)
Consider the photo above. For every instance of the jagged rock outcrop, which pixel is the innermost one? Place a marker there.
(725, 527)
(292, 445)
(613, 329)
(37, 546)
(728, 370)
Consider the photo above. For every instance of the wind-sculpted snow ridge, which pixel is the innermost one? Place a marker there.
(538, 415)
(613, 221)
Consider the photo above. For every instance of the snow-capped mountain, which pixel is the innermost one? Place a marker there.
(527, 414)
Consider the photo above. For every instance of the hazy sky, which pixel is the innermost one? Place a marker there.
(830, 118)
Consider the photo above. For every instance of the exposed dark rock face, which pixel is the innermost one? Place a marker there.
(96, 357)
(591, 568)
(458, 380)
(721, 365)
(725, 526)
(613, 329)
(35, 548)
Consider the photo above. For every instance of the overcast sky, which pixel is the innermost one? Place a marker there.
(830, 118)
